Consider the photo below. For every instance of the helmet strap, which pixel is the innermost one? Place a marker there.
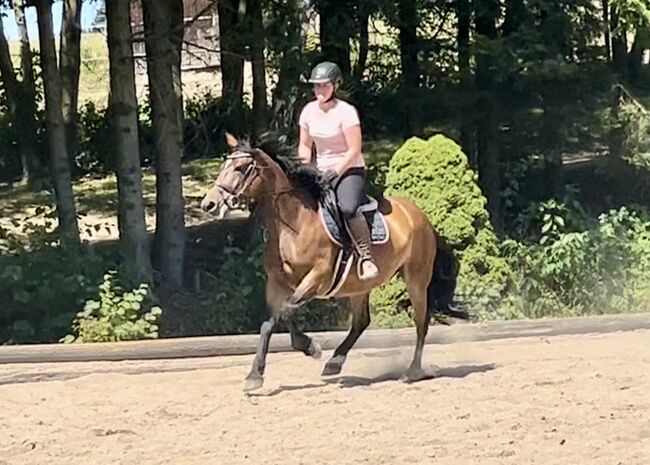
(335, 86)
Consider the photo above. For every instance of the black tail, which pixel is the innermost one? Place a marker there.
(440, 293)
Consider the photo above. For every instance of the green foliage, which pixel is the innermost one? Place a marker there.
(95, 138)
(239, 289)
(42, 282)
(117, 315)
(207, 118)
(632, 13)
(601, 269)
(435, 174)
(633, 123)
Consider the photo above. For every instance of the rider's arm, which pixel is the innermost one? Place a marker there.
(305, 145)
(353, 138)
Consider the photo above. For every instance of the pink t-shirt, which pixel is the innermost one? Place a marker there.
(327, 130)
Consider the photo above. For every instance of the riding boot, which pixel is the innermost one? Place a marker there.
(360, 233)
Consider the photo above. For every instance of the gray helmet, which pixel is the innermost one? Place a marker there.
(326, 72)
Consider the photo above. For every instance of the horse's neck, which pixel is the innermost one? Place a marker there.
(286, 210)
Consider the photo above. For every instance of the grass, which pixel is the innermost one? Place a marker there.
(93, 73)
(97, 201)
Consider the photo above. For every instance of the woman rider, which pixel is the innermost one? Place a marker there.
(333, 126)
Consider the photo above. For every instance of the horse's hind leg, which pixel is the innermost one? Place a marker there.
(303, 343)
(416, 284)
(359, 306)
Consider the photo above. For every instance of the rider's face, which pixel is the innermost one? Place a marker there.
(323, 91)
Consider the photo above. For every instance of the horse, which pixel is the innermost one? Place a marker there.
(300, 255)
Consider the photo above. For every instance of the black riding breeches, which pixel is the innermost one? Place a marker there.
(350, 191)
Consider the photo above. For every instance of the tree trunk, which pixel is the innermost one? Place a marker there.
(231, 16)
(134, 241)
(607, 28)
(619, 46)
(364, 40)
(163, 21)
(25, 134)
(515, 11)
(292, 64)
(487, 132)
(464, 15)
(408, 45)
(28, 86)
(55, 126)
(335, 27)
(69, 63)
(635, 57)
(257, 45)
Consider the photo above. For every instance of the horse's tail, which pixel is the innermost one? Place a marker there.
(440, 293)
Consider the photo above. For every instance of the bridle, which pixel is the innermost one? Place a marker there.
(234, 194)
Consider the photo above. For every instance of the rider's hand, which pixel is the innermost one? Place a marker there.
(330, 176)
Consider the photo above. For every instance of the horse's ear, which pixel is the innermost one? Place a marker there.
(232, 141)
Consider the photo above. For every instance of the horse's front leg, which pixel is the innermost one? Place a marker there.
(279, 300)
(277, 296)
(308, 287)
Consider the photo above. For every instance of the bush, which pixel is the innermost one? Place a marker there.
(207, 118)
(436, 175)
(117, 315)
(43, 282)
(599, 270)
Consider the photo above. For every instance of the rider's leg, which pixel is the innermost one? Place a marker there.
(350, 192)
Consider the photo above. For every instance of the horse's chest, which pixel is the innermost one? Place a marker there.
(295, 257)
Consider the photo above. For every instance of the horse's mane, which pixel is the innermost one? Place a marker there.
(301, 176)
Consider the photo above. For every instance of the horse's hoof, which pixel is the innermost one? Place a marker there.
(413, 375)
(315, 351)
(253, 383)
(331, 369)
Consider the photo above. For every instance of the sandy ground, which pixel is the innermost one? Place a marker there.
(569, 400)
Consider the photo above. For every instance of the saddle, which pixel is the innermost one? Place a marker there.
(334, 225)
(337, 231)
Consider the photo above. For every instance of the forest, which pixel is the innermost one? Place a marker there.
(519, 126)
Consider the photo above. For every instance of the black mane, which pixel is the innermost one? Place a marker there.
(301, 176)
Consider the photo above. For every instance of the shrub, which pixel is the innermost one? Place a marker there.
(601, 269)
(117, 315)
(436, 175)
(43, 282)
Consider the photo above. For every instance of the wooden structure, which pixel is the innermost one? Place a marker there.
(201, 36)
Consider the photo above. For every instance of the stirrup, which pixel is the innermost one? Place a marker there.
(367, 269)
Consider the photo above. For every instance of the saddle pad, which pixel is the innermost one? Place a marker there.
(338, 232)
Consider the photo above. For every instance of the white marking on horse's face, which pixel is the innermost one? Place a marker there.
(223, 211)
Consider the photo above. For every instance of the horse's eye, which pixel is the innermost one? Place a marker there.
(241, 168)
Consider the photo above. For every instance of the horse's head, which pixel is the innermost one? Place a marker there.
(240, 178)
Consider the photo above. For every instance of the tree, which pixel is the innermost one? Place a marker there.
(231, 39)
(257, 44)
(408, 45)
(19, 111)
(286, 30)
(124, 111)
(486, 15)
(69, 63)
(55, 125)
(163, 24)
(336, 25)
(464, 24)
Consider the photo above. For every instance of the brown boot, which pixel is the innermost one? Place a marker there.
(358, 229)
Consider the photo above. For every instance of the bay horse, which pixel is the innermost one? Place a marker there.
(300, 256)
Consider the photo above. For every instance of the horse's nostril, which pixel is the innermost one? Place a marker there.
(208, 206)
